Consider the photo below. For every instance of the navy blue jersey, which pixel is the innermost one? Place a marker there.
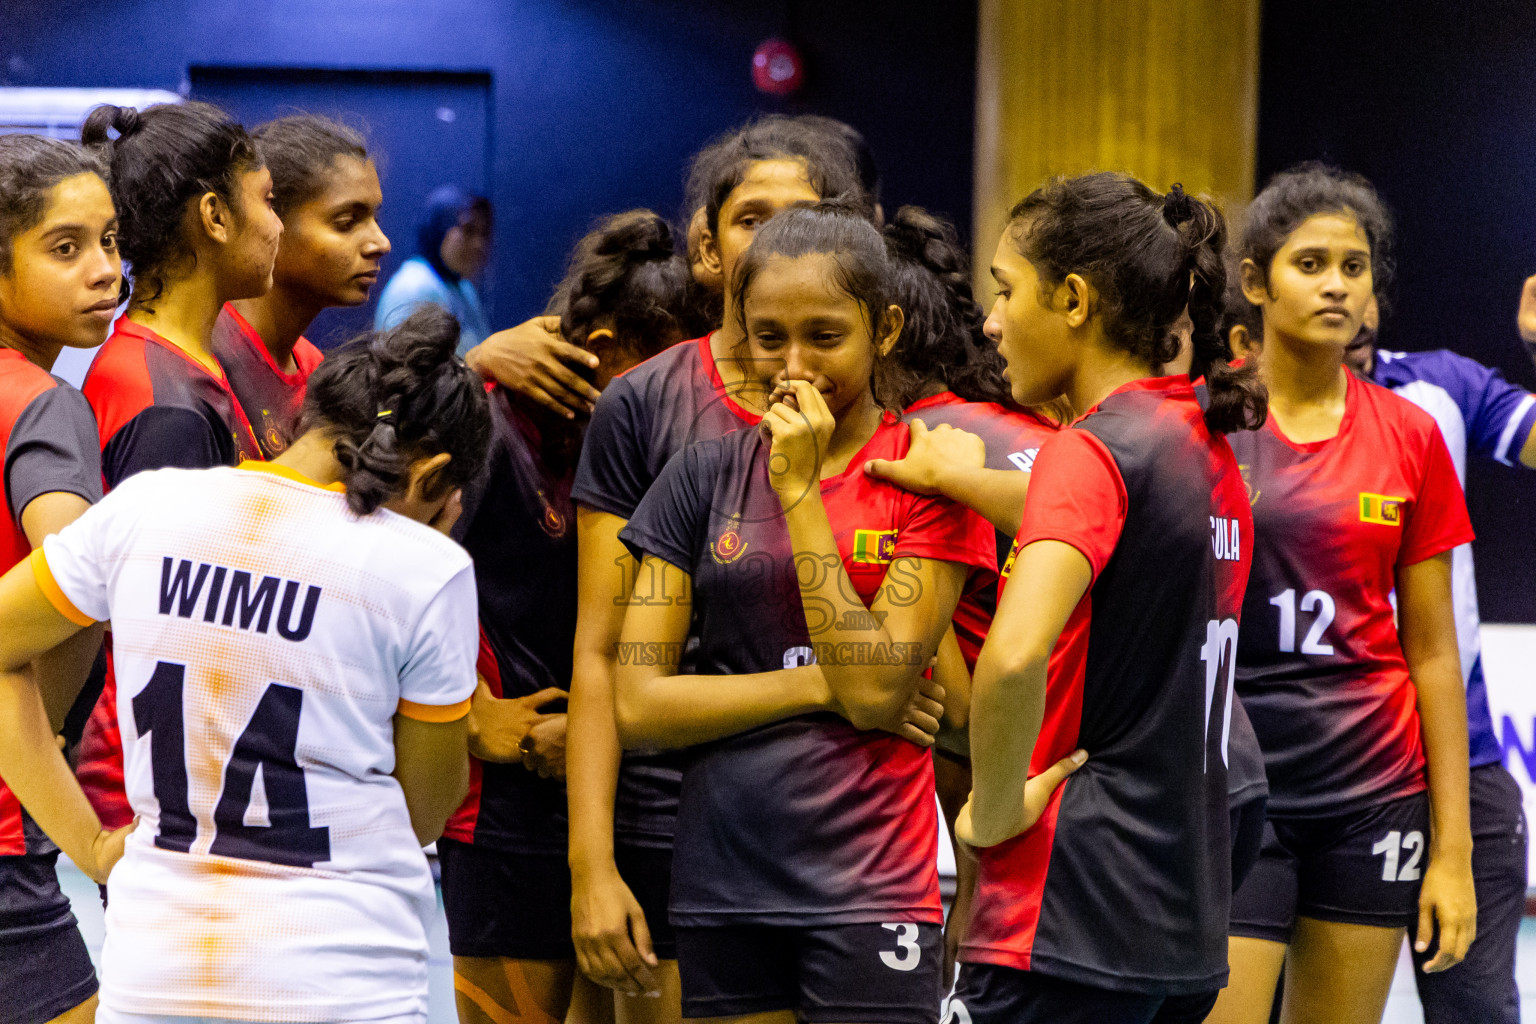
(1125, 881)
(1320, 668)
(644, 417)
(1476, 409)
(807, 821)
(519, 527)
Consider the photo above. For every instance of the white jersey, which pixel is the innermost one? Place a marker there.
(264, 637)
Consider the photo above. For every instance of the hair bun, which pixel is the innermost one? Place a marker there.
(1178, 207)
(126, 120)
(123, 120)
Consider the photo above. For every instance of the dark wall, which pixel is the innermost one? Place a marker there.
(597, 106)
(1433, 102)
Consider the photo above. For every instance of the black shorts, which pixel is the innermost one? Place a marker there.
(647, 870)
(850, 973)
(45, 968)
(1482, 987)
(1360, 868)
(518, 905)
(989, 994)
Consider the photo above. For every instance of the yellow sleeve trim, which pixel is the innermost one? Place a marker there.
(433, 712)
(50, 588)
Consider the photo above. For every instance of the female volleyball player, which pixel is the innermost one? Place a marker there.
(326, 190)
(948, 377)
(296, 647)
(1117, 631)
(622, 821)
(198, 229)
(59, 278)
(506, 882)
(804, 879)
(1362, 721)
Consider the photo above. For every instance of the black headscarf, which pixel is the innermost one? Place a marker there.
(447, 207)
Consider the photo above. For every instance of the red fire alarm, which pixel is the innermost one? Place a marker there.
(777, 68)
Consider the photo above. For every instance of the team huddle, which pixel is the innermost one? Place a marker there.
(666, 614)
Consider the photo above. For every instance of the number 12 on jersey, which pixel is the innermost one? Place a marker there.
(268, 745)
(1219, 651)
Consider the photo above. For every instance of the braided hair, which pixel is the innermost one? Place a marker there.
(394, 397)
(942, 339)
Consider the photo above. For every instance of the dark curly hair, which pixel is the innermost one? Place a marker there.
(1313, 188)
(299, 151)
(163, 158)
(627, 274)
(393, 397)
(942, 339)
(30, 166)
(1148, 257)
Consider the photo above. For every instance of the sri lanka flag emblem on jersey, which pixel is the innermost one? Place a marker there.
(1013, 553)
(1381, 509)
(875, 547)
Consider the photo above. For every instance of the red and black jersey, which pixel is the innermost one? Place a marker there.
(155, 407)
(807, 821)
(1125, 882)
(645, 416)
(519, 526)
(1320, 668)
(48, 438)
(1013, 438)
(271, 398)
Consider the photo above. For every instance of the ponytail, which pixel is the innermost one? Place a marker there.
(1149, 257)
(162, 159)
(941, 340)
(1238, 399)
(394, 397)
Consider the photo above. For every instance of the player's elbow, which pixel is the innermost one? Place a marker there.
(632, 715)
(874, 698)
(985, 834)
(1004, 668)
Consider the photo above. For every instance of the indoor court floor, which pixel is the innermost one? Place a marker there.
(1402, 1007)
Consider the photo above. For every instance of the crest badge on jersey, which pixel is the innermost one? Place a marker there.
(728, 547)
(1253, 495)
(874, 547)
(551, 522)
(1381, 509)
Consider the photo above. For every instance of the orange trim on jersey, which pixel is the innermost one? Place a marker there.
(433, 712)
(51, 590)
(291, 474)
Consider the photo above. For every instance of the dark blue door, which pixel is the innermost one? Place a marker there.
(424, 129)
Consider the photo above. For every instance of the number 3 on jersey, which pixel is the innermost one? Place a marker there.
(268, 745)
(908, 954)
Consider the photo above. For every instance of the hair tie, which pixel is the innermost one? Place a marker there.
(383, 413)
(1178, 207)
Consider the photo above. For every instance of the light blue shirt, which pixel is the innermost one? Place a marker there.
(416, 282)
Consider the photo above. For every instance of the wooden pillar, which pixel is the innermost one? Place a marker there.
(1166, 90)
